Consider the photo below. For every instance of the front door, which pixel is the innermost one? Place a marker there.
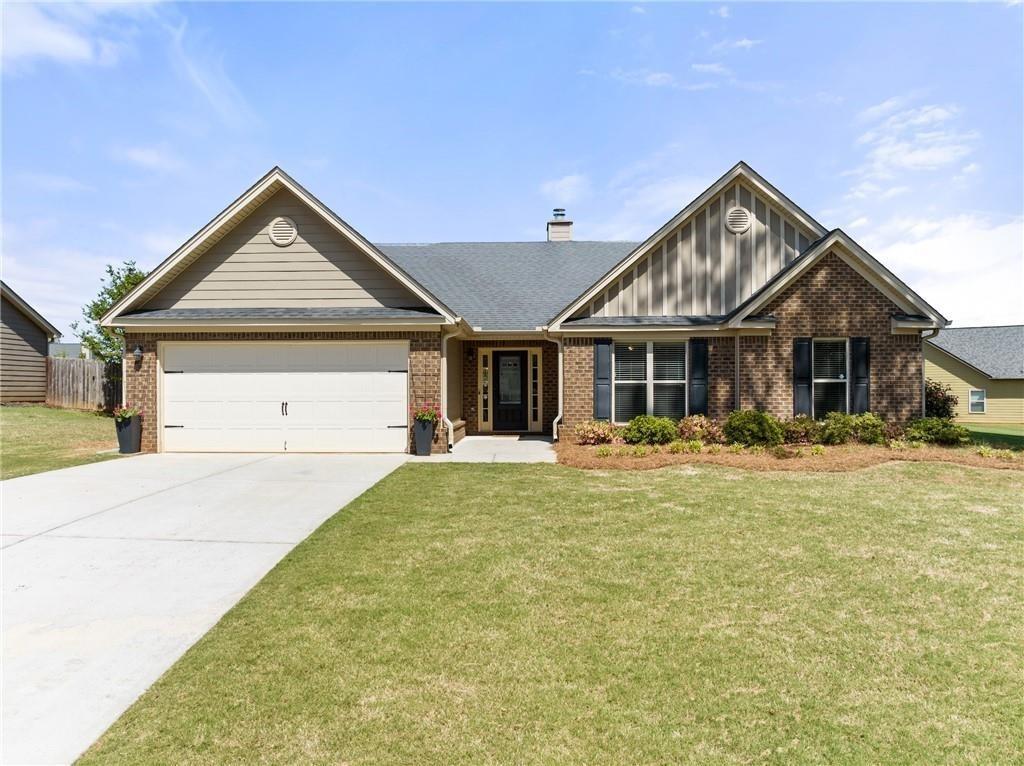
(510, 391)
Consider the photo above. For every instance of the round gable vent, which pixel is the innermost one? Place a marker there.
(737, 220)
(283, 231)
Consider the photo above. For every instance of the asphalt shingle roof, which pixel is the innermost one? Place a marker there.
(508, 285)
(996, 351)
(381, 312)
(647, 321)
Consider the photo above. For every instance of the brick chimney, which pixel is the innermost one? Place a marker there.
(559, 227)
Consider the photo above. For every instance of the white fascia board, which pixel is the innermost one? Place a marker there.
(279, 178)
(738, 171)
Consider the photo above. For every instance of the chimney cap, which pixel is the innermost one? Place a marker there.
(558, 212)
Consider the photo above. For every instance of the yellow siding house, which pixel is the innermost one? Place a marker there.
(985, 368)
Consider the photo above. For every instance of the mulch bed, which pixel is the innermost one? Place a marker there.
(836, 459)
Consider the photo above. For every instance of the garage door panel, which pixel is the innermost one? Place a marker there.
(341, 397)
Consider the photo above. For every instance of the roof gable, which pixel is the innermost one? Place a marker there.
(30, 313)
(275, 185)
(719, 268)
(996, 352)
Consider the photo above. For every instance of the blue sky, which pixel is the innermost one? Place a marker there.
(127, 126)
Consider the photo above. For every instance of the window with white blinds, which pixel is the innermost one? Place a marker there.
(649, 378)
(829, 365)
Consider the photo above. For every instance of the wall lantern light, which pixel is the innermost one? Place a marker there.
(137, 353)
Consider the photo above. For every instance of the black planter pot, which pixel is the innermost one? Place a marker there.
(423, 434)
(129, 435)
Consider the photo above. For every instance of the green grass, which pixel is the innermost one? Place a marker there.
(36, 438)
(1003, 435)
(459, 614)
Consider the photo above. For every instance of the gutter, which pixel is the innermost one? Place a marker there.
(924, 377)
(561, 377)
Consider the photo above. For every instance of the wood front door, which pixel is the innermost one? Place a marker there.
(510, 377)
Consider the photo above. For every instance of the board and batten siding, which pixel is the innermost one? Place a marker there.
(1004, 398)
(701, 267)
(321, 268)
(23, 346)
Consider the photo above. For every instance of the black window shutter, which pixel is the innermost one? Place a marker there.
(698, 376)
(860, 367)
(801, 376)
(602, 378)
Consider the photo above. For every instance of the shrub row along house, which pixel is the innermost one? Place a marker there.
(278, 326)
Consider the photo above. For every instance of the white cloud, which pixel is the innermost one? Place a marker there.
(200, 64)
(719, 69)
(911, 139)
(743, 43)
(51, 182)
(654, 79)
(721, 11)
(158, 158)
(969, 266)
(567, 189)
(639, 208)
(67, 33)
(638, 9)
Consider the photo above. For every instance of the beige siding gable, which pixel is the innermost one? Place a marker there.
(23, 347)
(700, 267)
(1005, 398)
(321, 268)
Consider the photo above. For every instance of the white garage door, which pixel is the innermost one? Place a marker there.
(285, 397)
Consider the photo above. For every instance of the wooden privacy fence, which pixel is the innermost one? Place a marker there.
(83, 384)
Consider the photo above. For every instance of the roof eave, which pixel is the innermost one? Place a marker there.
(37, 319)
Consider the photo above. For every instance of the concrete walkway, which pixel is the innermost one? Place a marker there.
(497, 449)
(111, 571)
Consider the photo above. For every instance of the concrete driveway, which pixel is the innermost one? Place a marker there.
(111, 571)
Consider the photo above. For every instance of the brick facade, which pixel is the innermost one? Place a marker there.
(471, 382)
(830, 300)
(141, 377)
(833, 300)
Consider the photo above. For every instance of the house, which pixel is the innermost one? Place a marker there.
(984, 367)
(278, 326)
(69, 351)
(24, 335)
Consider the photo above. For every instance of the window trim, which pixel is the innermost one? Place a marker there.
(649, 380)
(845, 381)
(984, 401)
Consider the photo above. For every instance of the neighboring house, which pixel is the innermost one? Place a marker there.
(278, 326)
(984, 366)
(69, 351)
(24, 335)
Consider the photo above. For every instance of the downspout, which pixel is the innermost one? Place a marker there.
(448, 425)
(924, 379)
(558, 418)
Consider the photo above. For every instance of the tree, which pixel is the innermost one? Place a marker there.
(106, 343)
(939, 400)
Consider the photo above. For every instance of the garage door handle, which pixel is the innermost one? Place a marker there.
(174, 426)
(401, 426)
(398, 371)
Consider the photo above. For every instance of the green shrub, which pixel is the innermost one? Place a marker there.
(694, 445)
(648, 429)
(677, 447)
(641, 450)
(757, 449)
(603, 451)
(802, 429)
(702, 428)
(817, 450)
(837, 428)
(782, 452)
(594, 432)
(937, 431)
(939, 400)
(868, 428)
(985, 451)
(750, 427)
(1005, 454)
(736, 449)
(897, 445)
(714, 449)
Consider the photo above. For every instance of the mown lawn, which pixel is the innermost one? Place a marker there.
(541, 614)
(1003, 435)
(36, 438)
